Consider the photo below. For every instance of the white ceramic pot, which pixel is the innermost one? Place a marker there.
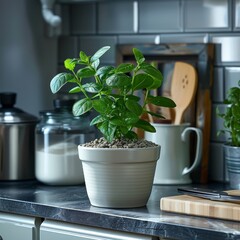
(119, 178)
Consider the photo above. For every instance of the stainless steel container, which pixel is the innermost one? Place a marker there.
(17, 140)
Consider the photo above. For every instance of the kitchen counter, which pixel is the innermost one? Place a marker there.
(71, 204)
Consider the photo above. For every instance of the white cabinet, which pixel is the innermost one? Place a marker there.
(53, 230)
(14, 226)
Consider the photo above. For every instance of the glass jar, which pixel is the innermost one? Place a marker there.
(57, 136)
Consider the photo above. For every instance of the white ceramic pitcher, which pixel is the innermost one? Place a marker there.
(173, 166)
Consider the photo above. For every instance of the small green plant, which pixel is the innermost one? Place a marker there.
(232, 116)
(111, 92)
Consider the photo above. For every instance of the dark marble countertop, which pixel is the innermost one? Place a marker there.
(71, 204)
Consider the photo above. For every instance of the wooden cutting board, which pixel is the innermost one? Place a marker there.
(202, 207)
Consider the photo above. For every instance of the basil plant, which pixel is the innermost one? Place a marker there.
(231, 116)
(111, 92)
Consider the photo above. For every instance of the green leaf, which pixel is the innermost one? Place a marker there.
(83, 57)
(236, 125)
(156, 84)
(133, 97)
(134, 106)
(95, 64)
(102, 105)
(236, 111)
(99, 53)
(161, 101)
(151, 70)
(138, 56)
(108, 130)
(125, 68)
(123, 129)
(142, 81)
(69, 64)
(131, 135)
(118, 121)
(104, 70)
(155, 114)
(60, 80)
(97, 119)
(130, 117)
(86, 72)
(220, 132)
(145, 126)
(75, 90)
(92, 87)
(82, 106)
(118, 80)
(154, 73)
(233, 95)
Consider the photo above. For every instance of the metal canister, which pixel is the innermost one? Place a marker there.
(17, 140)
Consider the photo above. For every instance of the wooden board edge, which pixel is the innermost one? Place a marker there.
(167, 202)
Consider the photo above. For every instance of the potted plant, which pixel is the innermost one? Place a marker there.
(118, 168)
(231, 124)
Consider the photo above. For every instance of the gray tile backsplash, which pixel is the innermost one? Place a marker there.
(160, 16)
(217, 170)
(65, 15)
(115, 17)
(237, 15)
(227, 49)
(218, 84)
(207, 15)
(89, 26)
(232, 77)
(217, 124)
(67, 48)
(83, 18)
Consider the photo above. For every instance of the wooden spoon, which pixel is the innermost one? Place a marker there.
(183, 88)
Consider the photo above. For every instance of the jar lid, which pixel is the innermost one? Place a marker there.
(10, 114)
(61, 107)
(61, 104)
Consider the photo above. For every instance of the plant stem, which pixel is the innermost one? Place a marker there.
(80, 85)
(145, 97)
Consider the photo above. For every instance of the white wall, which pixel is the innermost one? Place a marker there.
(28, 58)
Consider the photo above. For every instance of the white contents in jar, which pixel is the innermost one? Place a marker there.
(59, 164)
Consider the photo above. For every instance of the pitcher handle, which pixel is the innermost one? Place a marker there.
(198, 154)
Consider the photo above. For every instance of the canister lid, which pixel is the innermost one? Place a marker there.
(62, 109)
(10, 114)
(61, 104)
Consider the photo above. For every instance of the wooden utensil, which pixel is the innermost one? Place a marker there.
(183, 88)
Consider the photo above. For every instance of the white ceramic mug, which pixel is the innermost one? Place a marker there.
(173, 166)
